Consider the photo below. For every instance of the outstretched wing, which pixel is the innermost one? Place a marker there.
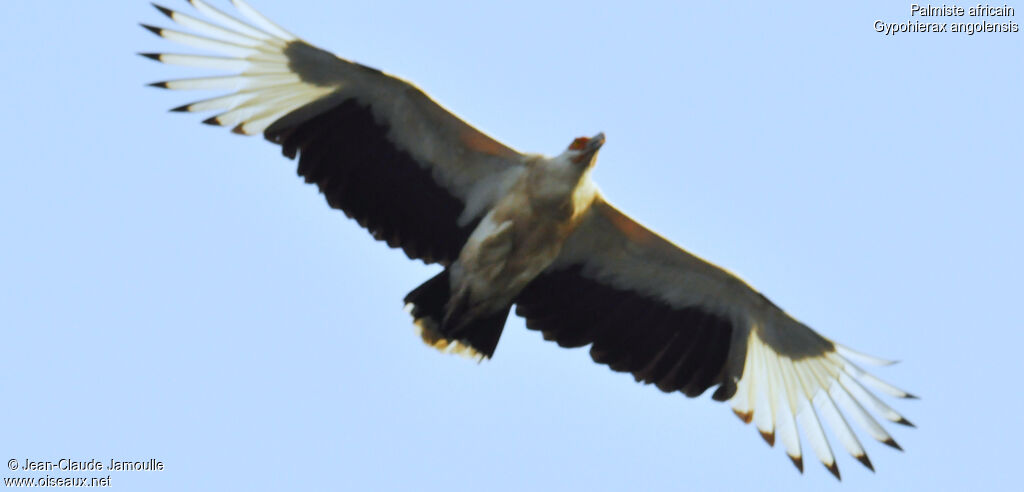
(650, 308)
(378, 148)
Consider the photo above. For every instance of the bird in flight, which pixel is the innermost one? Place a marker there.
(525, 230)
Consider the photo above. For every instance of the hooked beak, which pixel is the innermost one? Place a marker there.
(595, 143)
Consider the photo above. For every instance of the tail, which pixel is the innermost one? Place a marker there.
(429, 305)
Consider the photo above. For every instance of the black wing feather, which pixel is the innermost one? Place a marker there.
(347, 153)
(679, 349)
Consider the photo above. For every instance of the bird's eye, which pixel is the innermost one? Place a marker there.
(579, 143)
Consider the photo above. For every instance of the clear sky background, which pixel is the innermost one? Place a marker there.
(169, 290)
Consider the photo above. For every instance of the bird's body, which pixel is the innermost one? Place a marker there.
(524, 230)
(520, 236)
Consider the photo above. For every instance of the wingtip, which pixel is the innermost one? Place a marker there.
(180, 109)
(910, 396)
(163, 10)
(892, 444)
(769, 437)
(903, 421)
(151, 56)
(746, 417)
(162, 85)
(153, 29)
(798, 462)
(863, 459)
(212, 121)
(834, 468)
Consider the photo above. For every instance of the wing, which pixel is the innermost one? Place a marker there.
(377, 147)
(650, 308)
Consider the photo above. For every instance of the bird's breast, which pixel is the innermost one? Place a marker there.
(519, 238)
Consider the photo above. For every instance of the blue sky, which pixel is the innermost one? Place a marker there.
(172, 291)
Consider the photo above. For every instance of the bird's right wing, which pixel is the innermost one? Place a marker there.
(648, 307)
(380, 149)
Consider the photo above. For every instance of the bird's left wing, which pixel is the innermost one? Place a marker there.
(650, 308)
(379, 149)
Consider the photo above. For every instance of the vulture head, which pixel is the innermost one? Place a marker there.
(583, 151)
